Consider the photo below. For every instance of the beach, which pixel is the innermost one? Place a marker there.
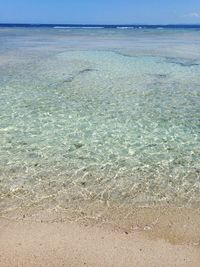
(69, 244)
(155, 237)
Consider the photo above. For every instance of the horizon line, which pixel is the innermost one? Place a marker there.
(101, 24)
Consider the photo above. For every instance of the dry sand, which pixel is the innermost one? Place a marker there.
(29, 244)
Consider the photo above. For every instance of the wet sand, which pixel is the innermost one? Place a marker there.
(27, 243)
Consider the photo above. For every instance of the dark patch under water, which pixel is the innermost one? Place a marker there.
(72, 78)
(183, 62)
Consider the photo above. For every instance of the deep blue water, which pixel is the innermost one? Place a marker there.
(169, 26)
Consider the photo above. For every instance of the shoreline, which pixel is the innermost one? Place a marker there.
(174, 224)
(30, 244)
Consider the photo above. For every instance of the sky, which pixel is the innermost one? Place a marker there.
(100, 11)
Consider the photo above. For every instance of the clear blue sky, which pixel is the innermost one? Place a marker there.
(100, 11)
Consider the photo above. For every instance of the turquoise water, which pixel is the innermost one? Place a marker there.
(99, 115)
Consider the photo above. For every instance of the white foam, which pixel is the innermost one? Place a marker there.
(125, 28)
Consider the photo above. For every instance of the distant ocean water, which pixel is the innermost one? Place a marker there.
(102, 114)
(89, 26)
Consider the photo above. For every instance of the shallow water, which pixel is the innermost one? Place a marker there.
(99, 115)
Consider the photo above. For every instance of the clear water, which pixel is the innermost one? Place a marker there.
(99, 115)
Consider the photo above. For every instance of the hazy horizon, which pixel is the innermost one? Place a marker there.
(102, 24)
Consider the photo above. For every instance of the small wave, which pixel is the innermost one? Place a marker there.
(122, 28)
(92, 27)
(77, 27)
(125, 28)
(60, 27)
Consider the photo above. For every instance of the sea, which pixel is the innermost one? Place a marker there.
(99, 116)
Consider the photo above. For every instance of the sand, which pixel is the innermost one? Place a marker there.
(27, 243)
